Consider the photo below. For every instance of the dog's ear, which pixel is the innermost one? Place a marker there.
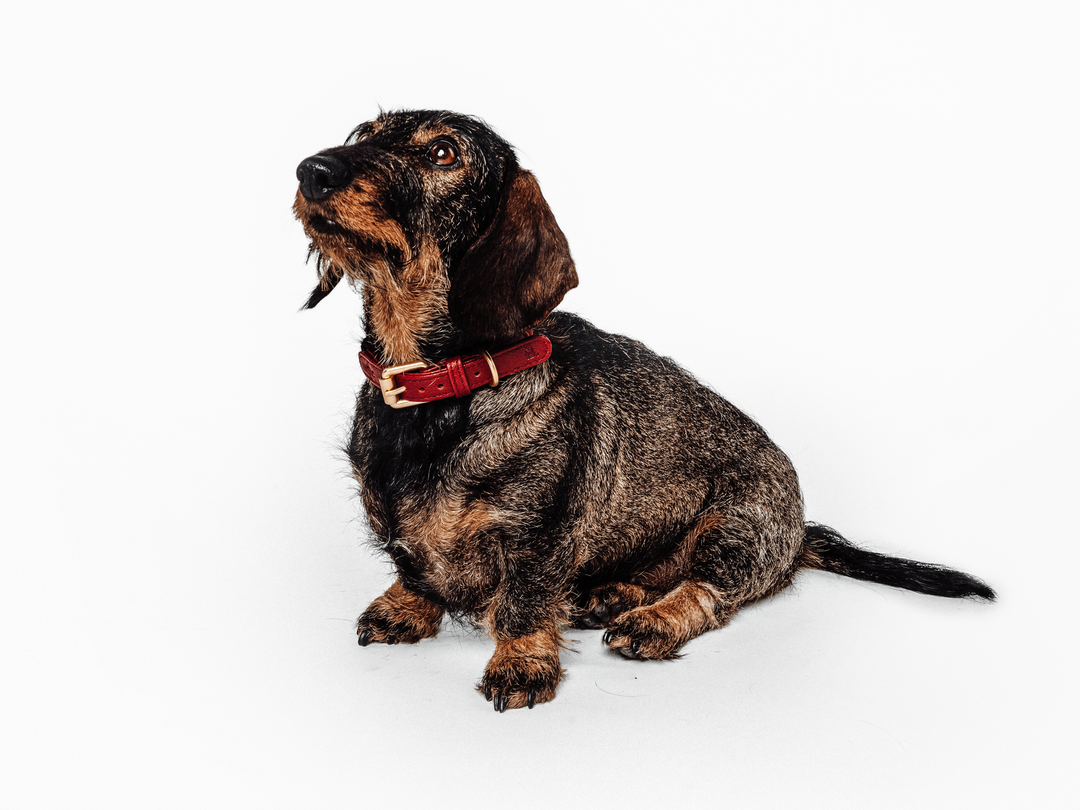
(517, 271)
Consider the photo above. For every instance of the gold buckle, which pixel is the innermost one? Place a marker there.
(386, 384)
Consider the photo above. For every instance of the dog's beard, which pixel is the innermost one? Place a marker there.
(405, 296)
(329, 276)
(349, 257)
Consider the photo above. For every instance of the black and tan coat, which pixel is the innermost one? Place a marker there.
(603, 488)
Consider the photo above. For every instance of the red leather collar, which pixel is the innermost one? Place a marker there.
(415, 383)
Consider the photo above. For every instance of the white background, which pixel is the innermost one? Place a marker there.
(856, 220)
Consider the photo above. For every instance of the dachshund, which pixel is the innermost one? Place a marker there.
(523, 469)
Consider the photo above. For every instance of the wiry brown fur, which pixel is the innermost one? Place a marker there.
(523, 671)
(400, 617)
(604, 488)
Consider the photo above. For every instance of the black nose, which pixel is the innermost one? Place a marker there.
(321, 175)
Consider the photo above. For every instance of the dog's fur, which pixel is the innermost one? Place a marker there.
(603, 488)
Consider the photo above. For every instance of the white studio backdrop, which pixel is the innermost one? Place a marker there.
(856, 221)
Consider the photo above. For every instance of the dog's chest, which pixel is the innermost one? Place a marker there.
(449, 540)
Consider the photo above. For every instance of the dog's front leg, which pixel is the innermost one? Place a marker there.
(524, 620)
(523, 671)
(399, 616)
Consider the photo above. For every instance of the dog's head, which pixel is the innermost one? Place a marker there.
(434, 204)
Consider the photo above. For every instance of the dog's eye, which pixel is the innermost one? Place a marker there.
(442, 153)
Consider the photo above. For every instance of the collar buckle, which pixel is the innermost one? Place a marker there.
(389, 392)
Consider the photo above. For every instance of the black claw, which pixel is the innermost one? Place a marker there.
(391, 639)
(365, 638)
(634, 645)
(500, 702)
(608, 636)
(532, 698)
(487, 691)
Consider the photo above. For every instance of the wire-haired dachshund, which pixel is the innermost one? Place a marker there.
(521, 467)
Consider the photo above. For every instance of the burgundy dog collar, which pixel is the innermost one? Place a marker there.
(416, 383)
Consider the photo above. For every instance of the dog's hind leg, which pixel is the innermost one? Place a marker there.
(603, 604)
(736, 562)
(660, 629)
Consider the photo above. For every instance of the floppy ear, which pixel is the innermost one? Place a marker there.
(517, 271)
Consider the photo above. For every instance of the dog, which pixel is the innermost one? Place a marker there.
(522, 468)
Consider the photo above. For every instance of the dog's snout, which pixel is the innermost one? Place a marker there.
(321, 175)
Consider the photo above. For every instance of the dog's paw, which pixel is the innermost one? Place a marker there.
(658, 630)
(643, 635)
(522, 673)
(607, 602)
(398, 617)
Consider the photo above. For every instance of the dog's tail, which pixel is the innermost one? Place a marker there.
(826, 550)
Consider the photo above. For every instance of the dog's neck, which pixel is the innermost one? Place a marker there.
(405, 324)
(406, 319)
(406, 315)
